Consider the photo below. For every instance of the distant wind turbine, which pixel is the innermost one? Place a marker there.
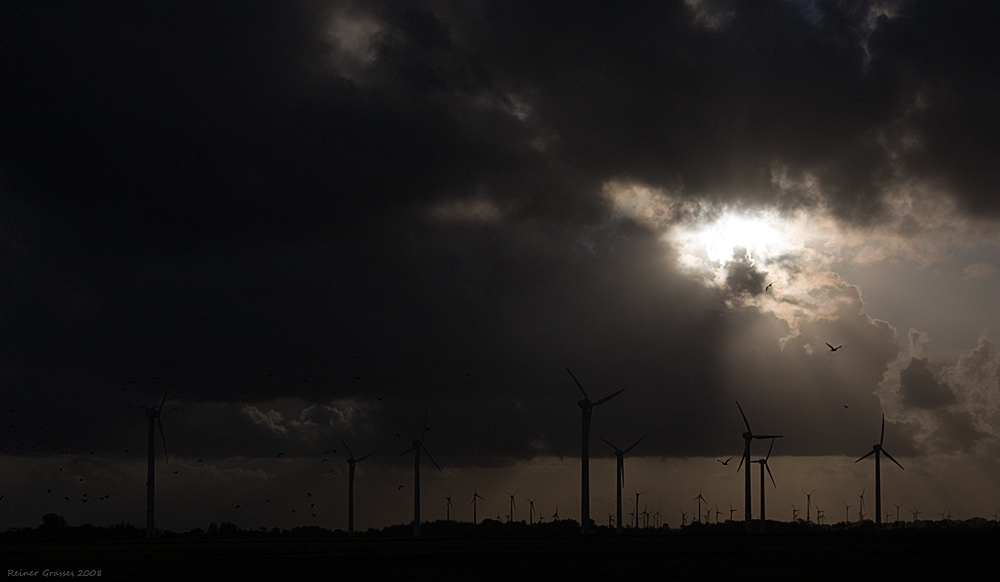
(153, 414)
(847, 513)
(636, 514)
(418, 445)
(877, 450)
(809, 505)
(531, 509)
(587, 407)
(475, 496)
(747, 437)
(620, 455)
(764, 465)
(699, 499)
(512, 506)
(351, 461)
(447, 508)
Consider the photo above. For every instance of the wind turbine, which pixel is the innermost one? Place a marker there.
(475, 496)
(531, 509)
(555, 516)
(587, 407)
(153, 414)
(764, 465)
(898, 505)
(418, 445)
(877, 450)
(637, 494)
(510, 517)
(861, 506)
(620, 454)
(847, 514)
(699, 499)
(809, 505)
(351, 461)
(747, 437)
(447, 508)
(795, 513)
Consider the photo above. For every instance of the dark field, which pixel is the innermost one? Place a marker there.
(910, 556)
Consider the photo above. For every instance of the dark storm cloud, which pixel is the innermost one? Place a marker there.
(920, 389)
(228, 198)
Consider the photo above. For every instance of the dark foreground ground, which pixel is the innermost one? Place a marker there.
(862, 556)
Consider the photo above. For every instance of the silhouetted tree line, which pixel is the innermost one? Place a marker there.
(55, 528)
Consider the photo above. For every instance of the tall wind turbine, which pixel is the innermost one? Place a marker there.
(636, 513)
(747, 437)
(475, 496)
(877, 450)
(418, 445)
(510, 517)
(351, 461)
(447, 508)
(764, 465)
(153, 414)
(620, 454)
(699, 499)
(587, 407)
(809, 505)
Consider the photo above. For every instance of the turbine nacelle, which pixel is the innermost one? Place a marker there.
(585, 403)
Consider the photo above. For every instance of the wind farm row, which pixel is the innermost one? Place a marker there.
(641, 515)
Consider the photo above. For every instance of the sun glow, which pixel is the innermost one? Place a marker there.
(732, 234)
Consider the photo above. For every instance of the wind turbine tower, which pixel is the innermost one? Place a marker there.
(764, 465)
(809, 505)
(747, 437)
(620, 454)
(510, 517)
(587, 407)
(877, 450)
(153, 414)
(351, 461)
(636, 515)
(475, 496)
(418, 445)
(699, 499)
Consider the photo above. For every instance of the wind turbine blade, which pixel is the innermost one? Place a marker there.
(348, 448)
(886, 453)
(621, 475)
(606, 398)
(770, 475)
(164, 437)
(160, 409)
(425, 424)
(882, 436)
(430, 457)
(745, 421)
(407, 450)
(609, 444)
(769, 453)
(362, 458)
(870, 453)
(741, 462)
(767, 436)
(634, 444)
(579, 385)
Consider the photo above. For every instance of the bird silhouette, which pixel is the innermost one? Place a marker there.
(726, 462)
(768, 286)
(833, 349)
(398, 488)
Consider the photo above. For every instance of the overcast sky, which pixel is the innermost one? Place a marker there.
(313, 221)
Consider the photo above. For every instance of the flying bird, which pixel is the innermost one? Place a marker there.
(833, 349)
(398, 488)
(768, 286)
(726, 462)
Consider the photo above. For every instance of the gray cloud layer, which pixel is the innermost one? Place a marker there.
(301, 208)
